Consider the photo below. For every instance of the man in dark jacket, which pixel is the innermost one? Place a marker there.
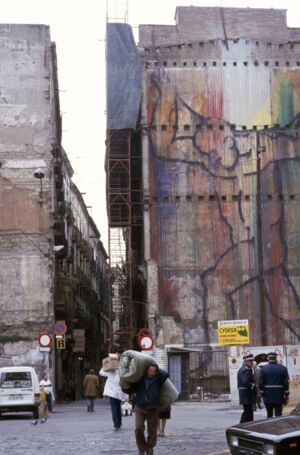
(246, 386)
(147, 394)
(274, 385)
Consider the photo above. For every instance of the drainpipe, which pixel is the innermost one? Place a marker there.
(261, 281)
(149, 307)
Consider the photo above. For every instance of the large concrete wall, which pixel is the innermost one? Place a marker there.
(27, 134)
(204, 115)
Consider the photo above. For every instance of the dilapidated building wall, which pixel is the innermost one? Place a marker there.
(221, 167)
(29, 134)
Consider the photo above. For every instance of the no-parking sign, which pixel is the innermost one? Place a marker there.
(60, 328)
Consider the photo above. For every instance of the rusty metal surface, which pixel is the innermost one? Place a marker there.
(203, 131)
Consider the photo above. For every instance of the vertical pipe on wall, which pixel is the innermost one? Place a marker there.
(261, 281)
(152, 278)
(145, 171)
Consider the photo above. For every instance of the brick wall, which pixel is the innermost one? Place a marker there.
(205, 23)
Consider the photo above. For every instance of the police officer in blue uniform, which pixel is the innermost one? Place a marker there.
(246, 386)
(274, 385)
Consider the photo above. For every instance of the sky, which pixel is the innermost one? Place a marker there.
(78, 29)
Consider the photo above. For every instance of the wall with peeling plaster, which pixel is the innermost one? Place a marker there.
(206, 106)
(28, 133)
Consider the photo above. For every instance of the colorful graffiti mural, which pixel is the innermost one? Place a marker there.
(204, 127)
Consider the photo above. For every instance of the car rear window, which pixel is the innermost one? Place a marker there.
(20, 380)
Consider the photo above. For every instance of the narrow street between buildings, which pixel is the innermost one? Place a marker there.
(195, 428)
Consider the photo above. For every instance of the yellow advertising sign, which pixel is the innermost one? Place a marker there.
(233, 332)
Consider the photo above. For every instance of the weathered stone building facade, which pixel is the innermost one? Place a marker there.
(219, 131)
(30, 130)
(81, 285)
(221, 106)
(53, 265)
(81, 296)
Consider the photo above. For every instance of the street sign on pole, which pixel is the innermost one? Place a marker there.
(60, 328)
(45, 340)
(79, 337)
(145, 339)
(146, 343)
(60, 342)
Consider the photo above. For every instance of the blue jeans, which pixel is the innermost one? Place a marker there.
(115, 405)
(49, 401)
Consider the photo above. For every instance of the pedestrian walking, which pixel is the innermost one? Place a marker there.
(113, 391)
(163, 416)
(147, 394)
(274, 385)
(91, 389)
(47, 385)
(246, 386)
(44, 406)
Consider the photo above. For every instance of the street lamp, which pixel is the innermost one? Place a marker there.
(40, 174)
(58, 248)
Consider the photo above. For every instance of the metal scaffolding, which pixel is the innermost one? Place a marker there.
(119, 221)
(124, 179)
(117, 11)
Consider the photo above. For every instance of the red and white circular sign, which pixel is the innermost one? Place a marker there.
(45, 340)
(146, 342)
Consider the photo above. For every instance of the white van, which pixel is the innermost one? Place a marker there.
(19, 390)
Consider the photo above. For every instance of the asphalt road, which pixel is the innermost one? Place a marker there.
(194, 429)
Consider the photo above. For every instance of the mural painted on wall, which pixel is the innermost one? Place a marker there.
(204, 129)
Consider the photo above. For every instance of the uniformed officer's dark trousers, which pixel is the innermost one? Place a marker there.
(247, 415)
(273, 407)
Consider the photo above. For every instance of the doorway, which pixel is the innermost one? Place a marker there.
(178, 371)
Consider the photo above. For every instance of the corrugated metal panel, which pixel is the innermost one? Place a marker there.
(285, 95)
(247, 99)
(203, 176)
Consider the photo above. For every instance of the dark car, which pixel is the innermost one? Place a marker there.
(275, 436)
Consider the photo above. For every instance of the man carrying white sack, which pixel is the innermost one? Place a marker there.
(147, 394)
